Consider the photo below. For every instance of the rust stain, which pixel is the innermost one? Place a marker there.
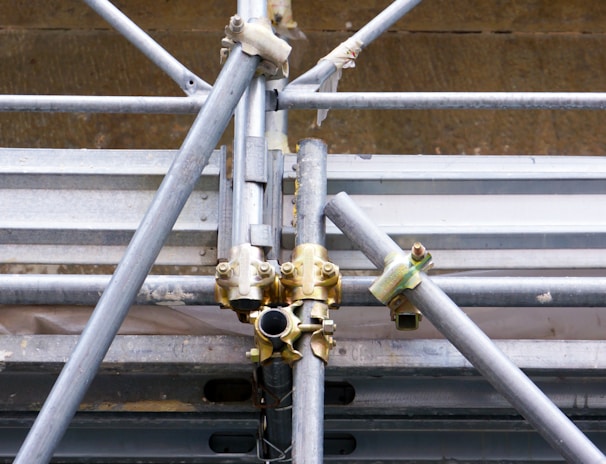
(140, 406)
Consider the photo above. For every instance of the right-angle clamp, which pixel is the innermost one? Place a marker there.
(402, 272)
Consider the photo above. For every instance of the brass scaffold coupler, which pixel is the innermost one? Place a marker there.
(311, 276)
(245, 282)
(402, 272)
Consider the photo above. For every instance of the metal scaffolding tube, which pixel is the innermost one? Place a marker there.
(505, 377)
(504, 292)
(515, 292)
(373, 29)
(249, 122)
(79, 371)
(281, 100)
(438, 100)
(308, 372)
(108, 104)
(187, 80)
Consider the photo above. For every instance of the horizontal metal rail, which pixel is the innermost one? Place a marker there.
(352, 358)
(311, 100)
(32, 289)
(439, 101)
(80, 207)
(217, 439)
(102, 104)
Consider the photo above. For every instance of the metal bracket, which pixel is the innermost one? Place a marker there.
(310, 276)
(276, 330)
(402, 272)
(246, 281)
(257, 38)
(255, 169)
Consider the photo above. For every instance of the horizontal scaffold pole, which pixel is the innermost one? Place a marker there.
(438, 100)
(312, 100)
(477, 291)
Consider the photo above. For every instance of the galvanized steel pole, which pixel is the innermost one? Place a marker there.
(249, 122)
(308, 372)
(461, 331)
(140, 255)
(439, 100)
(118, 104)
(543, 292)
(187, 80)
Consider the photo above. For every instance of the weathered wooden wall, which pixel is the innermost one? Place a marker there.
(61, 47)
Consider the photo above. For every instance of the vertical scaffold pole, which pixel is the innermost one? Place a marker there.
(308, 372)
(249, 125)
(453, 323)
(80, 369)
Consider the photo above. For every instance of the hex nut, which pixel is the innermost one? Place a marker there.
(223, 270)
(287, 269)
(417, 252)
(328, 269)
(236, 24)
(264, 269)
(253, 355)
(328, 326)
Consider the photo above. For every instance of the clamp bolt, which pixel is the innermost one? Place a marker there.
(329, 326)
(264, 269)
(236, 24)
(253, 355)
(417, 252)
(287, 269)
(223, 270)
(328, 269)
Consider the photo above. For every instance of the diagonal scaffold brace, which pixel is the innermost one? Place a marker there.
(79, 371)
(555, 427)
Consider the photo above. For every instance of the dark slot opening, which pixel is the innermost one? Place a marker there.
(338, 393)
(339, 444)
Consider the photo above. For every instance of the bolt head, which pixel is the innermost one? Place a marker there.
(223, 270)
(253, 355)
(236, 24)
(328, 326)
(264, 269)
(287, 269)
(328, 270)
(417, 251)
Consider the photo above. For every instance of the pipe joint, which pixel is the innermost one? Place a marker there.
(402, 272)
(310, 276)
(257, 38)
(276, 330)
(246, 282)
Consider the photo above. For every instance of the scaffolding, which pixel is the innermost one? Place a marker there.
(281, 269)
